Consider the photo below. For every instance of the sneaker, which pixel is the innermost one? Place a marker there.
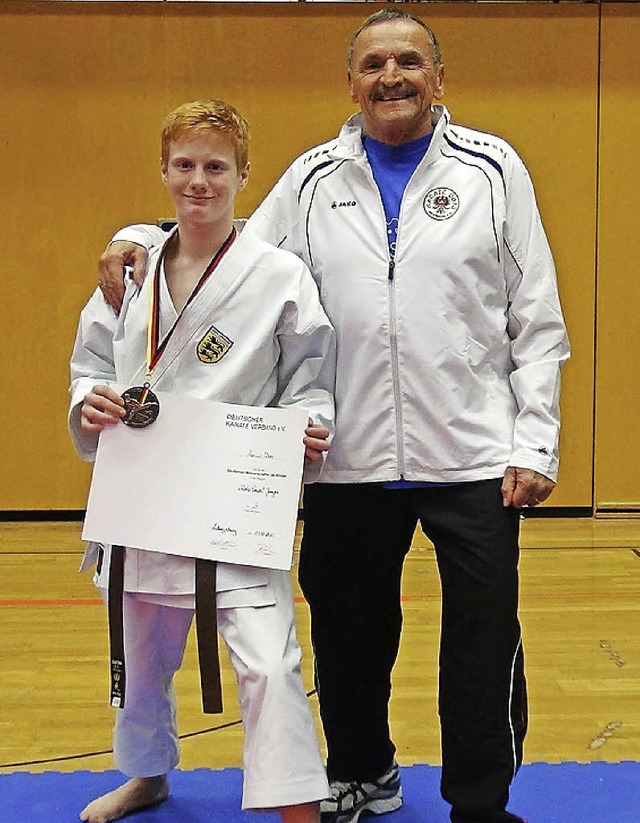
(349, 800)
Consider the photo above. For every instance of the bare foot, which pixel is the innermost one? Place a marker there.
(303, 813)
(134, 795)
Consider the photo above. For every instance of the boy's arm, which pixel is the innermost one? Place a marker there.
(307, 368)
(91, 364)
(316, 442)
(102, 407)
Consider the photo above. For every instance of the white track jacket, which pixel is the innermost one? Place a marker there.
(449, 355)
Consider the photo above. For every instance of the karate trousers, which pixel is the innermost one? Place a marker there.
(355, 539)
(281, 759)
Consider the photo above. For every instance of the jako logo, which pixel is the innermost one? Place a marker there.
(338, 204)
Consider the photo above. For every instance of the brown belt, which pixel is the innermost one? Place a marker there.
(207, 632)
(206, 626)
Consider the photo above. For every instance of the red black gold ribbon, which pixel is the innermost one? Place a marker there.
(155, 347)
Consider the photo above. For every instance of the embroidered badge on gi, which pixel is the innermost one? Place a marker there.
(441, 204)
(213, 346)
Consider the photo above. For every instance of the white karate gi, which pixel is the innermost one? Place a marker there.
(261, 307)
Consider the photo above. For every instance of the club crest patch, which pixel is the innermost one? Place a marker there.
(441, 204)
(213, 346)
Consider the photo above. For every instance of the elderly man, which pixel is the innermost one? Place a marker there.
(433, 266)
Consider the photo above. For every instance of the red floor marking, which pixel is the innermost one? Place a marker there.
(404, 599)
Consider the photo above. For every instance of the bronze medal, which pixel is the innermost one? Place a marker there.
(141, 405)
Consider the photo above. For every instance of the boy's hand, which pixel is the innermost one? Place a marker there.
(115, 257)
(315, 441)
(102, 407)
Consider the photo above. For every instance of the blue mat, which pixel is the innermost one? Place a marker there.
(565, 793)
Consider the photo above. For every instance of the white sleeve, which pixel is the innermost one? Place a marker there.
(276, 218)
(539, 344)
(143, 234)
(91, 363)
(307, 366)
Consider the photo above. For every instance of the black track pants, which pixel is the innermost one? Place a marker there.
(354, 543)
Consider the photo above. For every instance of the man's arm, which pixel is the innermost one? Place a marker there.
(276, 218)
(539, 345)
(129, 247)
(274, 221)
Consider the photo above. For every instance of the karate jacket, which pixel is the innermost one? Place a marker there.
(260, 307)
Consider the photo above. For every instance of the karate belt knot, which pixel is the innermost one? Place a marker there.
(206, 627)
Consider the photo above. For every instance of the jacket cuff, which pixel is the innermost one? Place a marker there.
(537, 461)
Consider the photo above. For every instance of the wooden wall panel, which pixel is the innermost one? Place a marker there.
(85, 88)
(618, 338)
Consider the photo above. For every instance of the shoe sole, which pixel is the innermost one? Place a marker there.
(375, 807)
(391, 804)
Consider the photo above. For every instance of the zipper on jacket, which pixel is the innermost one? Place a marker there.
(395, 378)
(392, 265)
(392, 329)
(395, 369)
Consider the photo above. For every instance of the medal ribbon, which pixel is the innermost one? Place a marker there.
(155, 348)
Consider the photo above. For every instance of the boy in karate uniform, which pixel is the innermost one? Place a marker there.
(226, 317)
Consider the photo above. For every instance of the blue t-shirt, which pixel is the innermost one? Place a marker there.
(392, 167)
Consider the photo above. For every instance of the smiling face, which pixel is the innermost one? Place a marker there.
(202, 176)
(394, 79)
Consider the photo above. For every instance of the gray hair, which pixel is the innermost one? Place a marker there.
(385, 15)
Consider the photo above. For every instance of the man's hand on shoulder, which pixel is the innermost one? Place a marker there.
(115, 257)
(524, 487)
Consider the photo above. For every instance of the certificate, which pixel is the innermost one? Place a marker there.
(209, 480)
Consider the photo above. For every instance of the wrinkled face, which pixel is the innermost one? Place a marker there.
(202, 177)
(394, 80)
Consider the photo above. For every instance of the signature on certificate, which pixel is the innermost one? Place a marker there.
(254, 488)
(262, 455)
(221, 529)
(265, 541)
(224, 537)
(223, 543)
